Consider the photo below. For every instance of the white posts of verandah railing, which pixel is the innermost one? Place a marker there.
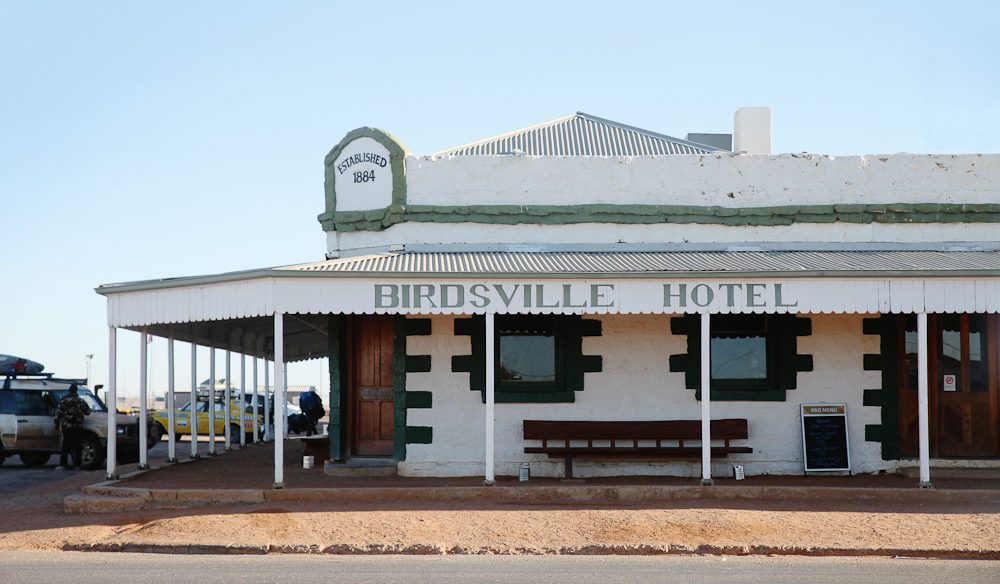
(243, 400)
(256, 409)
(279, 397)
(171, 405)
(490, 397)
(211, 400)
(267, 400)
(922, 402)
(193, 409)
(112, 451)
(706, 399)
(143, 381)
(228, 416)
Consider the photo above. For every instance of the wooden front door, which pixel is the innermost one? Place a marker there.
(371, 385)
(963, 385)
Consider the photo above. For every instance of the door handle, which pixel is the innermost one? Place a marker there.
(22, 421)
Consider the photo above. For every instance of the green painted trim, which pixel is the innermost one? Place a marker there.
(787, 328)
(399, 433)
(397, 165)
(418, 327)
(887, 397)
(653, 214)
(338, 379)
(419, 400)
(572, 329)
(419, 435)
(418, 363)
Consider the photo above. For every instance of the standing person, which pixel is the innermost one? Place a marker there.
(69, 420)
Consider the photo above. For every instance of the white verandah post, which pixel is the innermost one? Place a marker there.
(143, 389)
(193, 409)
(706, 399)
(243, 399)
(279, 397)
(211, 399)
(267, 400)
(922, 402)
(171, 406)
(229, 402)
(490, 398)
(256, 410)
(112, 450)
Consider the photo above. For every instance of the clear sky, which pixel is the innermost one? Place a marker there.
(144, 140)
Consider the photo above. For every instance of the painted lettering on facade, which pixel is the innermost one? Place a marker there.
(507, 296)
(729, 294)
(376, 159)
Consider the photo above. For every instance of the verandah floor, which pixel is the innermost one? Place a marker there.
(253, 468)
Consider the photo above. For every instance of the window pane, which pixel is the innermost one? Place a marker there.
(739, 358)
(527, 358)
(912, 346)
(30, 403)
(977, 352)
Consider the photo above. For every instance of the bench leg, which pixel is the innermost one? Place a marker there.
(568, 465)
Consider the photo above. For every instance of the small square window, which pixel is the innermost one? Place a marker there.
(528, 355)
(742, 352)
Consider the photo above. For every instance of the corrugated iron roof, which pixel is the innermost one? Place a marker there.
(840, 263)
(580, 134)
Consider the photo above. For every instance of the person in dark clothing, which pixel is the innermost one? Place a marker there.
(69, 420)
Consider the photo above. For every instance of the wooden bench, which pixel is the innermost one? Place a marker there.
(621, 439)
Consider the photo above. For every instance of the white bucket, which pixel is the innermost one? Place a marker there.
(307, 461)
(738, 472)
(525, 472)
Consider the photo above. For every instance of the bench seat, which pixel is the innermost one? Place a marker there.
(621, 439)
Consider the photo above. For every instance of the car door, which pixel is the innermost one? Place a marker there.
(35, 429)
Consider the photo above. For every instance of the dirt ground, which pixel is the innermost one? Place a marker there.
(884, 525)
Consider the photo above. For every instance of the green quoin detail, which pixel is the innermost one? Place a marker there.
(572, 328)
(336, 328)
(397, 165)
(786, 327)
(887, 398)
(419, 434)
(409, 327)
(377, 220)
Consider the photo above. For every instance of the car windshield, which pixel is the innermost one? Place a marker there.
(92, 401)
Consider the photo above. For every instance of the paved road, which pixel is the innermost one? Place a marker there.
(80, 568)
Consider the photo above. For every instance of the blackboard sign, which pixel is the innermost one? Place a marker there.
(824, 437)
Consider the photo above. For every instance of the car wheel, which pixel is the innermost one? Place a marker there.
(234, 433)
(35, 458)
(91, 453)
(156, 433)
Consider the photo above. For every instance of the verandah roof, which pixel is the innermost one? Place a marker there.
(233, 310)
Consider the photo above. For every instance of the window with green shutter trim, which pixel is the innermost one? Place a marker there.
(538, 358)
(754, 356)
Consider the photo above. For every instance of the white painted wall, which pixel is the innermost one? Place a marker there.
(718, 179)
(636, 384)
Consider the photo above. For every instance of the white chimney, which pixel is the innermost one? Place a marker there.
(752, 130)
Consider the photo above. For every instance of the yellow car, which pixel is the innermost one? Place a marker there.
(182, 426)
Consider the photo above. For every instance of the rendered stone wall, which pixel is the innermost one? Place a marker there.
(636, 384)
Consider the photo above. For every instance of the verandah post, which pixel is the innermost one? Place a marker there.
(490, 397)
(279, 397)
(112, 451)
(143, 389)
(922, 402)
(706, 399)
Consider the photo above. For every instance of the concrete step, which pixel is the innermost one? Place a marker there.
(361, 467)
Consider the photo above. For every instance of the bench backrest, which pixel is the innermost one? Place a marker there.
(729, 429)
